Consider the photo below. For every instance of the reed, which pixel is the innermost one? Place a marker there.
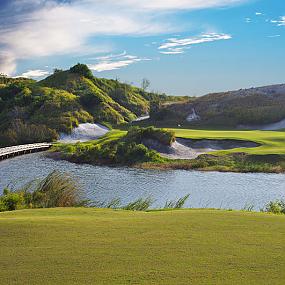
(176, 204)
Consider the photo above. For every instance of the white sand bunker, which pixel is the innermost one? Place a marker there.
(191, 149)
(84, 132)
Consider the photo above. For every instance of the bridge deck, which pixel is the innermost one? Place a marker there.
(7, 152)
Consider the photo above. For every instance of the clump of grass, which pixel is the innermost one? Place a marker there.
(57, 190)
(139, 205)
(248, 208)
(113, 204)
(176, 204)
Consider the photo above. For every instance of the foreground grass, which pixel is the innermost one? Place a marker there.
(272, 142)
(91, 246)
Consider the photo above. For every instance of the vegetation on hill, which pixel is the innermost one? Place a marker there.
(133, 148)
(229, 109)
(63, 100)
(29, 108)
(117, 147)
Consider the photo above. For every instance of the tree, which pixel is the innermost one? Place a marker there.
(145, 84)
(82, 69)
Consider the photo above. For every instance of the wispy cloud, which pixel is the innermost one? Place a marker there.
(274, 36)
(280, 22)
(113, 62)
(258, 14)
(174, 4)
(36, 73)
(39, 28)
(178, 46)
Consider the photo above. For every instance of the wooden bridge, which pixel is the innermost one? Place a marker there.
(12, 151)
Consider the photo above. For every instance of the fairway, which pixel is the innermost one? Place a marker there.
(271, 142)
(90, 246)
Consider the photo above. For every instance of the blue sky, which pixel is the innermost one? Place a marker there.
(184, 47)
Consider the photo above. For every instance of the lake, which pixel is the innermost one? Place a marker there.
(206, 189)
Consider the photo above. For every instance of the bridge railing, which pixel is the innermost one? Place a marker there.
(25, 147)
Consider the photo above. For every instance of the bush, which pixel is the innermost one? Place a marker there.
(82, 69)
(10, 201)
(138, 135)
(275, 207)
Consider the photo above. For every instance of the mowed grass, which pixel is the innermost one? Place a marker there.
(272, 142)
(92, 246)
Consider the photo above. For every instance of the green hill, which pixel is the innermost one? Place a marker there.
(107, 100)
(33, 111)
(255, 106)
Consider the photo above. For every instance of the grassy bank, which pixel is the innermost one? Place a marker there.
(272, 142)
(268, 157)
(90, 246)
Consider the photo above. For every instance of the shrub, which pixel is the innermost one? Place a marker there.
(275, 207)
(138, 135)
(82, 69)
(10, 201)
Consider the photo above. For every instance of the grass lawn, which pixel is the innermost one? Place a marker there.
(90, 246)
(272, 142)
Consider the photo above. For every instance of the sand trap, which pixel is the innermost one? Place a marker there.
(191, 149)
(84, 132)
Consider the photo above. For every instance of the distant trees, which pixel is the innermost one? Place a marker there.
(57, 70)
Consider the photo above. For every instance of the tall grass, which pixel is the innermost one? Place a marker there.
(57, 190)
(139, 205)
(176, 204)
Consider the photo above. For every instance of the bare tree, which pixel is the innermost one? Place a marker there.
(145, 84)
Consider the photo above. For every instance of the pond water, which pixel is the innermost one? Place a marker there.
(206, 189)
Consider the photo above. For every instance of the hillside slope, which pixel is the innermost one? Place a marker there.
(107, 100)
(255, 106)
(33, 111)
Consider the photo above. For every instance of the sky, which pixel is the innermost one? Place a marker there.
(184, 47)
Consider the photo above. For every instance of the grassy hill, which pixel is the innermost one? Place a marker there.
(255, 106)
(107, 100)
(33, 111)
(98, 246)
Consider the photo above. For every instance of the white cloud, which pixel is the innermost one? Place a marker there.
(173, 4)
(36, 73)
(113, 62)
(248, 20)
(7, 63)
(274, 36)
(280, 22)
(39, 28)
(259, 14)
(177, 46)
(173, 51)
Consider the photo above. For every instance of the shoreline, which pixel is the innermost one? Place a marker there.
(179, 164)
